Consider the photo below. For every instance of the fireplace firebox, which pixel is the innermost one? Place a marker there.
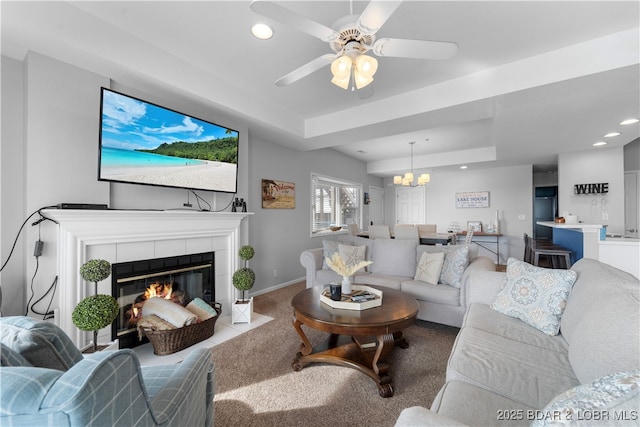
(180, 278)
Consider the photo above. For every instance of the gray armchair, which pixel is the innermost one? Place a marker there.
(45, 380)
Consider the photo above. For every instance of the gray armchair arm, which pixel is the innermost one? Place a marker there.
(311, 260)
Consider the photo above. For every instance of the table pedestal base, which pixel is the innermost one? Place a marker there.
(366, 354)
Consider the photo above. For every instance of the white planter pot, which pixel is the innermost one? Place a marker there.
(241, 311)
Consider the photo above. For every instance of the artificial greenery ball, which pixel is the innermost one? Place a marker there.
(95, 312)
(95, 270)
(243, 279)
(246, 252)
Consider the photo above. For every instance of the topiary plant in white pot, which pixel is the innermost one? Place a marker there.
(97, 311)
(243, 280)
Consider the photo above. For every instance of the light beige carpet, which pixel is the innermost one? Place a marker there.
(256, 386)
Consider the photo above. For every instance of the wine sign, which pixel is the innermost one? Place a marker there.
(602, 188)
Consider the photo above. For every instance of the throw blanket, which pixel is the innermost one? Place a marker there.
(201, 309)
(173, 313)
(154, 323)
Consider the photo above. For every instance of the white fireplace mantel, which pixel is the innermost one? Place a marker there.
(132, 235)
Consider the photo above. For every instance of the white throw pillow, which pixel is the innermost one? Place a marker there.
(352, 255)
(429, 267)
(535, 295)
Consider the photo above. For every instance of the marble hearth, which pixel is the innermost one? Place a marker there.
(123, 236)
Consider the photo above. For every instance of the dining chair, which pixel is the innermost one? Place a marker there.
(406, 232)
(426, 229)
(379, 232)
(354, 229)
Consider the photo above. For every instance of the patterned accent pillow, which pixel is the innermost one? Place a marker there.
(610, 397)
(456, 259)
(352, 255)
(535, 295)
(429, 267)
(330, 247)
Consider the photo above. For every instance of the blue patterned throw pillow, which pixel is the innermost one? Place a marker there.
(456, 259)
(535, 295)
(605, 400)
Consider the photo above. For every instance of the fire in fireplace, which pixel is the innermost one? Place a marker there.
(180, 279)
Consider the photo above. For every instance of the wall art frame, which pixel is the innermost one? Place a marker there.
(278, 194)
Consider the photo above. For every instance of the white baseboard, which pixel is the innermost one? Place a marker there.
(276, 287)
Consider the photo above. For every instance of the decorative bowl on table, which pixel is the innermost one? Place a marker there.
(335, 228)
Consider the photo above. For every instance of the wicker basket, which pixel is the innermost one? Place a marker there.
(171, 341)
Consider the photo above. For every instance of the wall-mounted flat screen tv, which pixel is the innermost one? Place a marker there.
(143, 143)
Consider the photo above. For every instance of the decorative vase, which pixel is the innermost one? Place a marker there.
(496, 225)
(346, 285)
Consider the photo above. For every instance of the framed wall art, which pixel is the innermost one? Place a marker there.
(475, 226)
(472, 199)
(278, 194)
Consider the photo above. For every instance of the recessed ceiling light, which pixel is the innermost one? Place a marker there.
(262, 31)
(629, 121)
(612, 134)
(464, 167)
(599, 144)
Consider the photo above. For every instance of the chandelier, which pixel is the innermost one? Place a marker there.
(407, 179)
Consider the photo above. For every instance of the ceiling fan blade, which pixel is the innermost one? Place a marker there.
(292, 19)
(375, 15)
(306, 69)
(421, 49)
(366, 92)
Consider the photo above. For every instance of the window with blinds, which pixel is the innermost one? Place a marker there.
(334, 203)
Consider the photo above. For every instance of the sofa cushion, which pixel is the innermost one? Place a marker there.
(535, 295)
(441, 294)
(482, 316)
(330, 247)
(324, 277)
(386, 280)
(352, 255)
(42, 344)
(607, 339)
(475, 406)
(429, 267)
(395, 257)
(595, 282)
(610, 396)
(532, 369)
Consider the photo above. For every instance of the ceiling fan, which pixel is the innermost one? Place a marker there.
(350, 38)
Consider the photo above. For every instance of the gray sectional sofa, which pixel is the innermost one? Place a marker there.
(504, 370)
(394, 265)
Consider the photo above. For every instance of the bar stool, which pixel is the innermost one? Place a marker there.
(533, 249)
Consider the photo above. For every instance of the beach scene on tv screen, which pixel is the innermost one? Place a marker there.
(147, 144)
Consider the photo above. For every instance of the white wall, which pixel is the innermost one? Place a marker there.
(12, 283)
(589, 167)
(49, 154)
(510, 192)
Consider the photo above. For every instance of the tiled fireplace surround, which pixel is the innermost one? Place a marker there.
(131, 235)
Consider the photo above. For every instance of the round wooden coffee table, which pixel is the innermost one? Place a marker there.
(362, 340)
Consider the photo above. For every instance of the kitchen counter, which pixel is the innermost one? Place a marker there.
(622, 253)
(578, 226)
(580, 238)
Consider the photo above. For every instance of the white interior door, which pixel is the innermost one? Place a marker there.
(631, 204)
(376, 207)
(410, 205)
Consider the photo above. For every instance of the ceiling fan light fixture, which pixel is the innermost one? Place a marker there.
(341, 70)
